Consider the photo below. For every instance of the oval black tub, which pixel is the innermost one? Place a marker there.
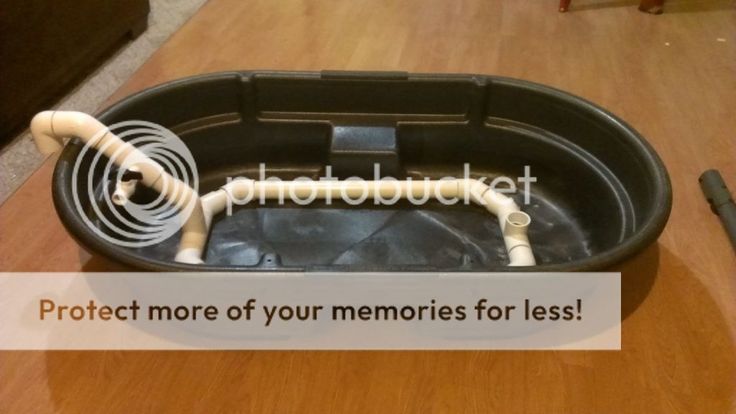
(601, 195)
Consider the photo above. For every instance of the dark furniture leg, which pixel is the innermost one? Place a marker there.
(647, 6)
(138, 28)
(652, 6)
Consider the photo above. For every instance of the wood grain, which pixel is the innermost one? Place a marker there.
(666, 75)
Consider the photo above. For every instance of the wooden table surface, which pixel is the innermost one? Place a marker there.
(669, 76)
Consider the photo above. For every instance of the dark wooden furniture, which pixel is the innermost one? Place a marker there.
(45, 46)
(647, 6)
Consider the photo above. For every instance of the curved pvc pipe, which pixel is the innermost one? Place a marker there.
(49, 128)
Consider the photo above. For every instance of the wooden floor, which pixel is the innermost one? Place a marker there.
(667, 75)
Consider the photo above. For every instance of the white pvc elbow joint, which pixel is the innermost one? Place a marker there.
(49, 128)
(514, 227)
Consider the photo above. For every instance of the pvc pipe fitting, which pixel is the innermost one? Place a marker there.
(124, 189)
(514, 226)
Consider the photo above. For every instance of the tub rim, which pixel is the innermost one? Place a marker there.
(647, 233)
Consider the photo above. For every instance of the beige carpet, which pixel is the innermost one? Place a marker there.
(19, 159)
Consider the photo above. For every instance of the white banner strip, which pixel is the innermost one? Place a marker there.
(328, 311)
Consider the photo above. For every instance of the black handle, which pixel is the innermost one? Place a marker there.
(720, 200)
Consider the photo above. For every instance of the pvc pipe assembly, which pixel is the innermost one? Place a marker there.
(49, 128)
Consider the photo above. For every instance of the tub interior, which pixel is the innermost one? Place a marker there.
(588, 195)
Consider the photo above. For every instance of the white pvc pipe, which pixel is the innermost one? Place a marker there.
(514, 223)
(49, 128)
(124, 189)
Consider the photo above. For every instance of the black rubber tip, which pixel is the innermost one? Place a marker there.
(720, 200)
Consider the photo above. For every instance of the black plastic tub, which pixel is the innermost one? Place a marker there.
(602, 194)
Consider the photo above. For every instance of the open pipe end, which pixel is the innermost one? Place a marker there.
(518, 219)
(119, 199)
(189, 256)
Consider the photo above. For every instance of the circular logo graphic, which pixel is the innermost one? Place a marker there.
(112, 181)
